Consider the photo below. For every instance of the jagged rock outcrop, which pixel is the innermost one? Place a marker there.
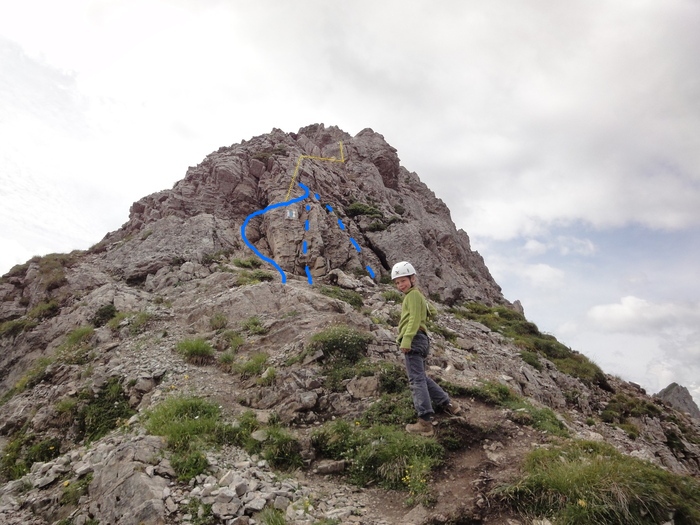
(77, 327)
(390, 213)
(680, 399)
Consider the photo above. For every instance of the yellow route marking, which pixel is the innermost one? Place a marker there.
(302, 157)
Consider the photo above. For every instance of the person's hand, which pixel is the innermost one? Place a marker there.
(405, 350)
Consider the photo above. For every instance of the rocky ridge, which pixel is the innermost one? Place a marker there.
(179, 262)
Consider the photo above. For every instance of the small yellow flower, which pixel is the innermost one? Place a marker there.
(187, 376)
(66, 483)
(357, 423)
(581, 503)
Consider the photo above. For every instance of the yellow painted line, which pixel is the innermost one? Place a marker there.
(311, 157)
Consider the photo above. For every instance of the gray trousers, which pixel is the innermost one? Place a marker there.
(423, 389)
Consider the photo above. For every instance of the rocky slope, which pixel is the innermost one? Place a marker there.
(96, 337)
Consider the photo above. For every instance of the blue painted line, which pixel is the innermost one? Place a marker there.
(265, 210)
(308, 207)
(328, 207)
(308, 274)
(306, 225)
(340, 223)
(318, 197)
(371, 273)
(354, 243)
(303, 247)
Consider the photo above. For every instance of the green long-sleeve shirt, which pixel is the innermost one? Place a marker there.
(415, 311)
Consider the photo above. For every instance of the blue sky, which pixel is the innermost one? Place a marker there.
(563, 136)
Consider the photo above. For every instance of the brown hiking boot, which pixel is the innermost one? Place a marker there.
(421, 427)
(451, 409)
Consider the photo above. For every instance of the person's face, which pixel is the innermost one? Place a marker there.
(403, 283)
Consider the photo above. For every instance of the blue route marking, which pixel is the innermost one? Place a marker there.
(308, 274)
(306, 225)
(308, 207)
(318, 197)
(371, 273)
(303, 247)
(354, 243)
(328, 207)
(340, 223)
(265, 210)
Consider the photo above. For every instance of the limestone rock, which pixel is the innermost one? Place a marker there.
(680, 399)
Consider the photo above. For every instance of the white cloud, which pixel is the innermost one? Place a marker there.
(635, 315)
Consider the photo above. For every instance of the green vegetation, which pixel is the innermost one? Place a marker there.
(254, 326)
(358, 208)
(341, 343)
(527, 336)
(354, 299)
(44, 310)
(23, 450)
(201, 512)
(254, 277)
(188, 425)
(272, 516)
(103, 315)
(195, 351)
(75, 349)
(253, 366)
(136, 321)
(522, 411)
(98, 414)
(250, 263)
(584, 482)
(72, 492)
(381, 454)
(235, 340)
(218, 321)
(393, 295)
(16, 326)
(621, 407)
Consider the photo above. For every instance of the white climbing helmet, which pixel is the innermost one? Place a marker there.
(402, 269)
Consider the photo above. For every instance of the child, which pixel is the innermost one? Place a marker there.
(414, 343)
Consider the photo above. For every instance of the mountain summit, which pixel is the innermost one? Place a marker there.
(358, 190)
(228, 356)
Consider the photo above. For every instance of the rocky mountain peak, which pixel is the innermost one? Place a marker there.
(364, 210)
(679, 398)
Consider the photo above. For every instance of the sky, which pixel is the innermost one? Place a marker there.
(563, 136)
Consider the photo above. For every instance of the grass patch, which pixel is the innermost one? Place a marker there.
(98, 414)
(16, 326)
(251, 367)
(341, 342)
(392, 295)
(195, 351)
(103, 315)
(136, 321)
(235, 340)
(253, 277)
(75, 349)
(354, 299)
(44, 310)
(71, 493)
(584, 482)
(189, 424)
(254, 326)
(272, 516)
(359, 208)
(23, 450)
(379, 454)
(251, 263)
(218, 321)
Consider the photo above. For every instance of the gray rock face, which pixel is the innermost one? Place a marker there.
(400, 218)
(680, 399)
